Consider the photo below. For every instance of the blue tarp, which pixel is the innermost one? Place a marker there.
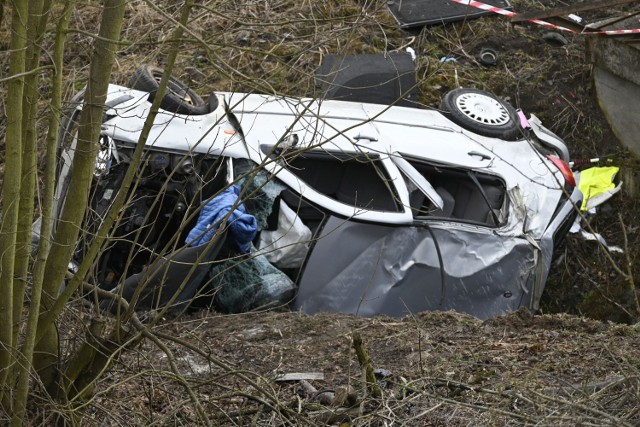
(242, 226)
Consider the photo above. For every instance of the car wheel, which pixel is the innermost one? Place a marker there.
(481, 112)
(178, 97)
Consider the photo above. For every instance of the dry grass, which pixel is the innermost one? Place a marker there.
(444, 369)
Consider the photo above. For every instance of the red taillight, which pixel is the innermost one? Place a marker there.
(564, 169)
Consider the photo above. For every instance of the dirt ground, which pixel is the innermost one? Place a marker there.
(436, 369)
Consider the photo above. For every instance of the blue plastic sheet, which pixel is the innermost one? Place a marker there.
(242, 226)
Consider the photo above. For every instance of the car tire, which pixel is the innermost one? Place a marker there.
(178, 98)
(482, 113)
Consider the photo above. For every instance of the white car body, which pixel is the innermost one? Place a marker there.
(538, 202)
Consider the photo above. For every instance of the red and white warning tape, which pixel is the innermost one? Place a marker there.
(494, 9)
(485, 6)
(633, 31)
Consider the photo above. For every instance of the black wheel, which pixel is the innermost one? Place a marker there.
(482, 113)
(178, 97)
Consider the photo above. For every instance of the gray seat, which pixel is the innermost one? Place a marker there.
(448, 203)
(471, 205)
(422, 207)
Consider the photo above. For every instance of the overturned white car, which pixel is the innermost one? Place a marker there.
(358, 208)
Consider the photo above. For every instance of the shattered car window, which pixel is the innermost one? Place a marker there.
(356, 180)
(466, 195)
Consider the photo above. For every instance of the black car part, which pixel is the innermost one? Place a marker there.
(175, 278)
(178, 98)
(388, 79)
(158, 215)
(416, 13)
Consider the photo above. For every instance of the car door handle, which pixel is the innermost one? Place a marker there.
(370, 138)
(479, 154)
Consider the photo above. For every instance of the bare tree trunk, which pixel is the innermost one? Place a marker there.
(11, 186)
(38, 16)
(26, 356)
(46, 356)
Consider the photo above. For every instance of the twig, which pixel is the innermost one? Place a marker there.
(366, 365)
(629, 275)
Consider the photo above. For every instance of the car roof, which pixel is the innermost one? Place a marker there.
(267, 120)
(342, 126)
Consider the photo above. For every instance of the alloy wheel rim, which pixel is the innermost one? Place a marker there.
(483, 109)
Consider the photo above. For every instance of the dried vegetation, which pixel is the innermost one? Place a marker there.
(439, 369)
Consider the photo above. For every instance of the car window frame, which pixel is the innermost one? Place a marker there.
(313, 196)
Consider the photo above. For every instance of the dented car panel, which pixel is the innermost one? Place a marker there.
(378, 269)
